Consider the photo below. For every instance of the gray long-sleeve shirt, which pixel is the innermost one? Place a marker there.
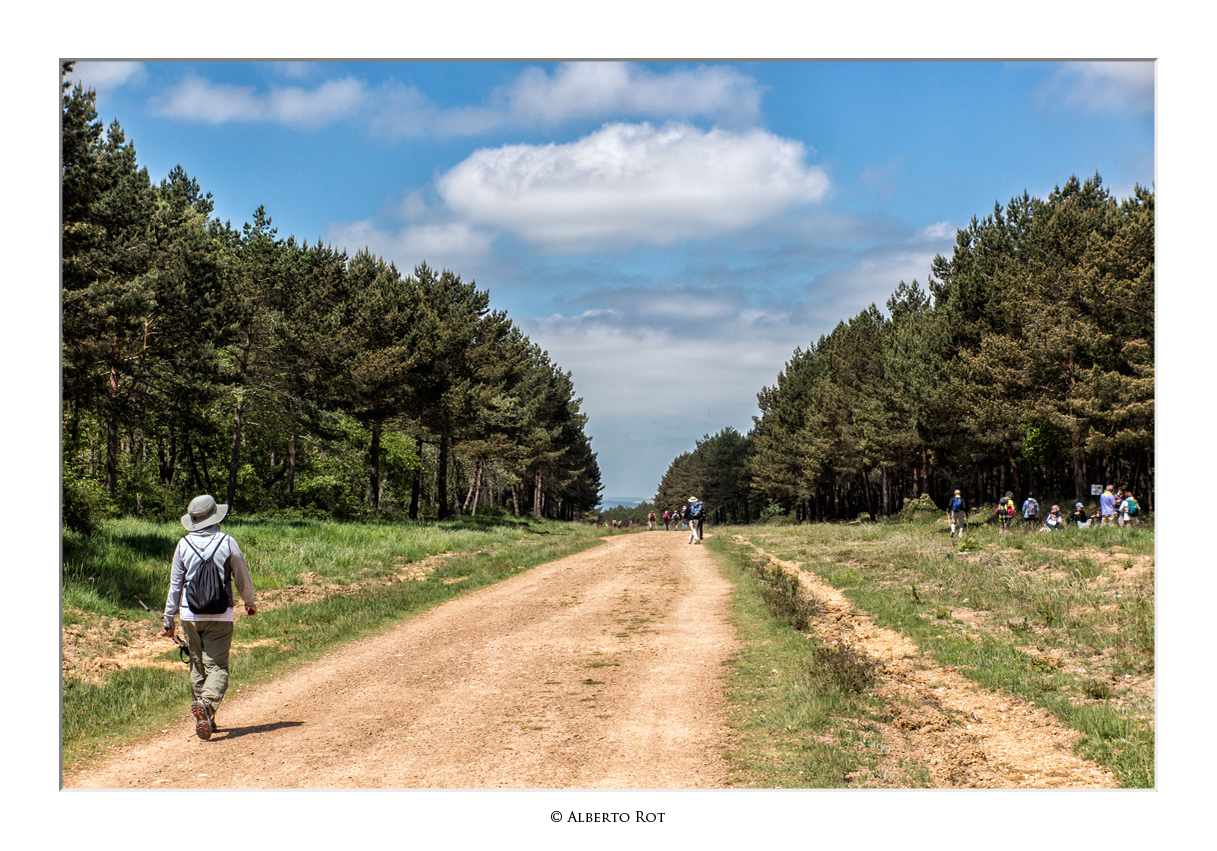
(185, 562)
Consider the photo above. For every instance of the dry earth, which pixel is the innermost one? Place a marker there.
(600, 670)
(963, 734)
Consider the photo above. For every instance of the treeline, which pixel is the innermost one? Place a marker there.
(282, 376)
(1026, 364)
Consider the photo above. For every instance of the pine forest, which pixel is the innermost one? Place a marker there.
(285, 378)
(1024, 365)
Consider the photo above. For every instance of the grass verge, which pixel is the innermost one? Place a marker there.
(800, 713)
(1063, 620)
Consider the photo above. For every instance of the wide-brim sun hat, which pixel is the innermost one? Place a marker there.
(203, 512)
(692, 499)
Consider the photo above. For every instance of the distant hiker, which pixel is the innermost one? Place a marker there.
(957, 511)
(1129, 509)
(694, 513)
(1031, 511)
(206, 562)
(1079, 517)
(1005, 512)
(1054, 521)
(651, 522)
(1107, 507)
(667, 519)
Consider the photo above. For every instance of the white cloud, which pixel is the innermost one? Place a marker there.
(443, 245)
(1103, 86)
(936, 232)
(573, 91)
(595, 89)
(200, 99)
(650, 392)
(633, 183)
(109, 75)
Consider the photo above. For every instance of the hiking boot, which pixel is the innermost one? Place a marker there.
(203, 725)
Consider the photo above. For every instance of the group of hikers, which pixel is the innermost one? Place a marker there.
(1118, 507)
(691, 516)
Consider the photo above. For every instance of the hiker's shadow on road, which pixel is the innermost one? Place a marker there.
(238, 732)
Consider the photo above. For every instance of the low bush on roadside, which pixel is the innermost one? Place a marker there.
(784, 595)
(849, 668)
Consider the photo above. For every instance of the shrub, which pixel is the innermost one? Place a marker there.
(1096, 690)
(919, 510)
(970, 544)
(84, 502)
(850, 669)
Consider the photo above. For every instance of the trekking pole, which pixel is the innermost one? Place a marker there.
(182, 648)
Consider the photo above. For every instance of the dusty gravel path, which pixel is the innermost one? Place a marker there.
(601, 670)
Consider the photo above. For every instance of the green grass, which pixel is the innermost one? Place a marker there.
(796, 722)
(103, 576)
(1031, 600)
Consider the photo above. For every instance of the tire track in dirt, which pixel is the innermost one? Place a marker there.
(965, 735)
(600, 670)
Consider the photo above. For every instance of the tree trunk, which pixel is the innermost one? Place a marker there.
(195, 478)
(206, 473)
(538, 495)
(475, 490)
(112, 437)
(290, 482)
(870, 504)
(167, 457)
(234, 460)
(441, 483)
(375, 459)
(416, 486)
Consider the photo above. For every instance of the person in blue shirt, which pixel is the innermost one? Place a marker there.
(1107, 507)
(957, 511)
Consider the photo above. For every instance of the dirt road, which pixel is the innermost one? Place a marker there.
(601, 670)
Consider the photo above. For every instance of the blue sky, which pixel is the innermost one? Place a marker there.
(668, 231)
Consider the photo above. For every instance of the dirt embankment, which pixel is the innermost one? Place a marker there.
(963, 734)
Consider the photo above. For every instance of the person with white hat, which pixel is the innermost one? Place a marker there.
(207, 619)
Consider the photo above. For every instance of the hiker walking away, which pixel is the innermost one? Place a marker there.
(206, 563)
(1107, 507)
(691, 515)
(651, 522)
(1129, 509)
(1031, 512)
(1005, 513)
(1079, 517)
(667, 520)
(958, 513)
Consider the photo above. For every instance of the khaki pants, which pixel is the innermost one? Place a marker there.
(209, 642)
